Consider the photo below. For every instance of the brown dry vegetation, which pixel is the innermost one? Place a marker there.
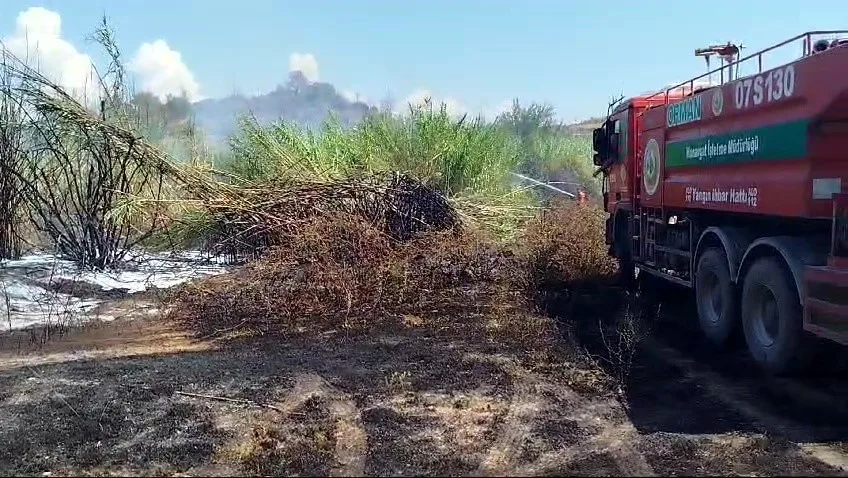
(565, 255)
(565, 247)
(245, 221)
(346, 275)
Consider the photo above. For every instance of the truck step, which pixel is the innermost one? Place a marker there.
(677, 280)
(670, 250)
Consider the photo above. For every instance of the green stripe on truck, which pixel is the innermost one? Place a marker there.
(770, 143)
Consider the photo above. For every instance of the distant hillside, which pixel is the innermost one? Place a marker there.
(585, 126)
(307, 104)
(310, 104)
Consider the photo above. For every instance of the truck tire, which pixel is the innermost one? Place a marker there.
(772, 318)
(715, 296)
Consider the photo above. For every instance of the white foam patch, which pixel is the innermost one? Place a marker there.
(26, 298)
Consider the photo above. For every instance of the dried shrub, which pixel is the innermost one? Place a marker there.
(247, 220)
(348, 273)
(75, 170)
(345, 273)
(12, 156)
(570, 274)
(564, 251)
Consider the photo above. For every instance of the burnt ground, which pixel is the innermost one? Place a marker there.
(112, 399)
(678, 385)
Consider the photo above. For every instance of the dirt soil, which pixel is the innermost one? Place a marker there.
(139, 396)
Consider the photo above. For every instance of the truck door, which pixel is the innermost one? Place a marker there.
(620, 176)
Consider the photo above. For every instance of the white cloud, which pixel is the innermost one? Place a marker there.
(306, 64)
(419, 99)
(37, 40)
(162, 71)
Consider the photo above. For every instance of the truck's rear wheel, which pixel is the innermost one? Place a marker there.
(772, 317)
(715, 296)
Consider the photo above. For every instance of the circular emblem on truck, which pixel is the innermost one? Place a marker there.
(651, 167)
(718, 101)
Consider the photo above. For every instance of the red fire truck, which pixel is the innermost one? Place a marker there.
(734, 185)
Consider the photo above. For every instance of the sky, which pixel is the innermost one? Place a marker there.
(474, 55)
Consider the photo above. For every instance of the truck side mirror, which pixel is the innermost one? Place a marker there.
(597, 160)
(599, 141)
